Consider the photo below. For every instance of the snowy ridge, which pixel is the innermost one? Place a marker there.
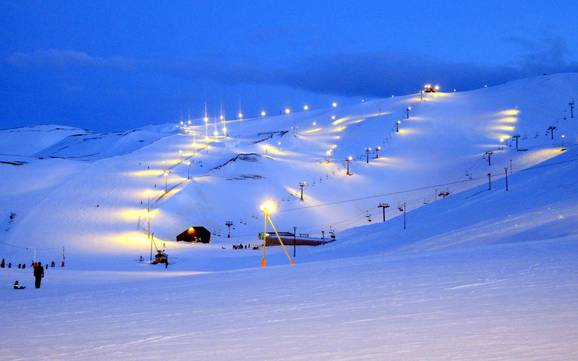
(439, 147)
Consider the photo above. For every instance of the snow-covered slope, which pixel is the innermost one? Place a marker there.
(477, 274)
(101, 205)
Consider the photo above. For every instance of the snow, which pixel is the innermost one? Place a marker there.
(480, 274)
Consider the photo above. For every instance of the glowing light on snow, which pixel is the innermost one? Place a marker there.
(506, 128)
(287, 111)
(146, 173)
(314, 124)
(334, 104)
(333, 117)
(271, 149)
(269, 206)
(240, 115)
(510, 112)
(508, 120)
(206, 119)
(306, 107)
(263, 113)
(312, 131)
(221, 117)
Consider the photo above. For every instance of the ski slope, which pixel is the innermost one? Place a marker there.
(102, 202)
(479, 274)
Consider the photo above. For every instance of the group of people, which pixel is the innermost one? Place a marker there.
(38, 272)
(244, 246)
(4, 264)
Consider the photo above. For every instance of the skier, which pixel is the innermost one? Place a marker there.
(3, 263)
(38, 274)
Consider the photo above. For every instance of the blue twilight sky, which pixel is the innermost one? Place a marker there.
(110, 65)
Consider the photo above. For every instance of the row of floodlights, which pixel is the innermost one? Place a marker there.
(263, 113)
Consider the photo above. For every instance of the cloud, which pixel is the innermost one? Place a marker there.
(378, 74)
(61, 58)
(383, 73)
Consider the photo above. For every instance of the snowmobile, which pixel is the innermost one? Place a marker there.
(161, 257)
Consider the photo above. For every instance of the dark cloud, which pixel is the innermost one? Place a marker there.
(376, 74)
(384, 73)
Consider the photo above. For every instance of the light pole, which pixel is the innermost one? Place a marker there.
(397, 123)
(269, 207)
(377, 149)
(571, 104)
(407, 112)
(302, 185)
(188, 163)
(348, 161)
(166, 175)
(507, 184)
(489, 155)
(367, 151)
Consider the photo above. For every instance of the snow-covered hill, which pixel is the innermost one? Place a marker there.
(89, 192)
(478, 273)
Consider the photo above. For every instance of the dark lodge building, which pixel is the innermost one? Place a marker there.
(197, 234)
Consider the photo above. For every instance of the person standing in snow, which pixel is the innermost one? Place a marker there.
(38, 274)
(167, 262)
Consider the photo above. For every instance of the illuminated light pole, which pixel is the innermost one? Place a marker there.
(306, 107)
(263, 113)
(383, 206)
(397, 123)
(377, 150)
(268, 208)
(166, 175)
(188, 163)
(407, 112)
(287, 111)
(206, 121)
(404, 210)
(334, 104)
(348, 161)
(229, 224)
(551, 129)
(489, 155)
(148, 217)
(302, 185)
(240, 115)
(367, 151)
(333, 117)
